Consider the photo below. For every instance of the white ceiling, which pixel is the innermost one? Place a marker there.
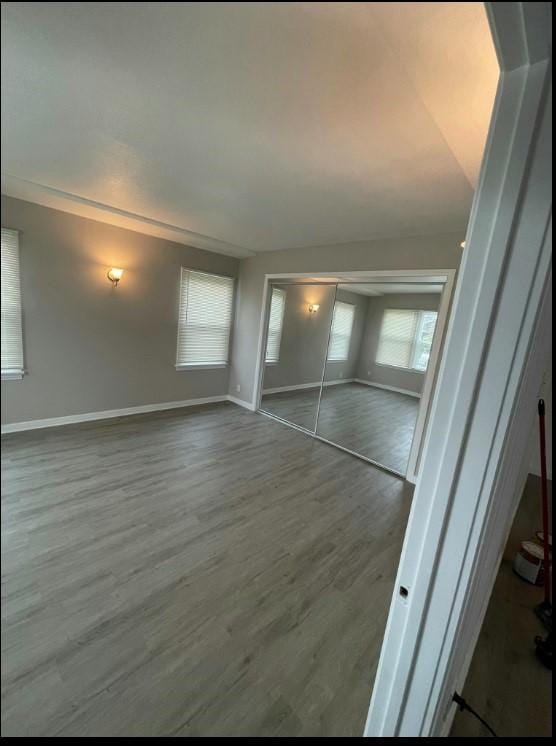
(393, 288)
(243, 127)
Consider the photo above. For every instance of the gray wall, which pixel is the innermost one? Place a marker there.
(430, 252)
(367, 368)
(87, 346)
(304, 341)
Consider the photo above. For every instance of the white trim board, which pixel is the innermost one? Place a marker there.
(429, 381)
(482, 412)
(296, 387)
(536, 472)
(12, 375)
(241, 403)
(74, 204)
(426, 276)
(315, 385)
(407, 392)
(73, 419)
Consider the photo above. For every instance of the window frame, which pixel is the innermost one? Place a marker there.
(180, 367)
(16, 374)
(418, 333)
(418, 326)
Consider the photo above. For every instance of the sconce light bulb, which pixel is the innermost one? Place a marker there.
(313, 307)
(114, 274)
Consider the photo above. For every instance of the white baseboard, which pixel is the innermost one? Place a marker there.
(388, 388)
(299, 386)
(73, 419)
(338, 381)
(242, 403)
(314, 385)
(537, 473)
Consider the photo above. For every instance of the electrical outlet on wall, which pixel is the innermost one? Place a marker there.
(238, 388)
(341, 374)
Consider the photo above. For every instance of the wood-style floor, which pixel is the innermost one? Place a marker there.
(373, 422)
(506, 683)
(199, 572)
(299, 407)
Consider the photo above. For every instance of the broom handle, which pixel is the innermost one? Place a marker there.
(544, 494)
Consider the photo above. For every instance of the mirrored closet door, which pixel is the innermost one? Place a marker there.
(297, 339)
(377, 359)
(347, 362)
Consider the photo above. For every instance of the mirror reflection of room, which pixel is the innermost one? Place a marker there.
(297, 338)
(348, 361)
(378, 356)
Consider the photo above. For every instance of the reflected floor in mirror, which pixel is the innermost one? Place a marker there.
(373, 422)
(299, 407)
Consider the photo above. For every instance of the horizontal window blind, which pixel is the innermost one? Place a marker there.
(340, 334)
(406, 338)
(397, 333)
(205, 318)
(12, 332)
(275, 323)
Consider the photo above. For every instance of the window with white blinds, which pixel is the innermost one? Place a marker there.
(275, 323)
(12, 331)
(340, 334)
(406, 338)
(205, 319)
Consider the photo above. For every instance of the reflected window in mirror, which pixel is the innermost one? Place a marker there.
(275, 324)
(406, 338)
(340, 334)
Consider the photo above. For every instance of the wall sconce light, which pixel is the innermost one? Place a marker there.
(114, 274)
(313, 307)
(462, 244)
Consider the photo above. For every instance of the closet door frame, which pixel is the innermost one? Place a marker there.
(440, 276)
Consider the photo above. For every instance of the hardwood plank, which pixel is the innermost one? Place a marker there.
(299, 407)
(204, 571)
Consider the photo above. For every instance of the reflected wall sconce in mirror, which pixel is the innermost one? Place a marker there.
(114, 274)
(313, 307)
